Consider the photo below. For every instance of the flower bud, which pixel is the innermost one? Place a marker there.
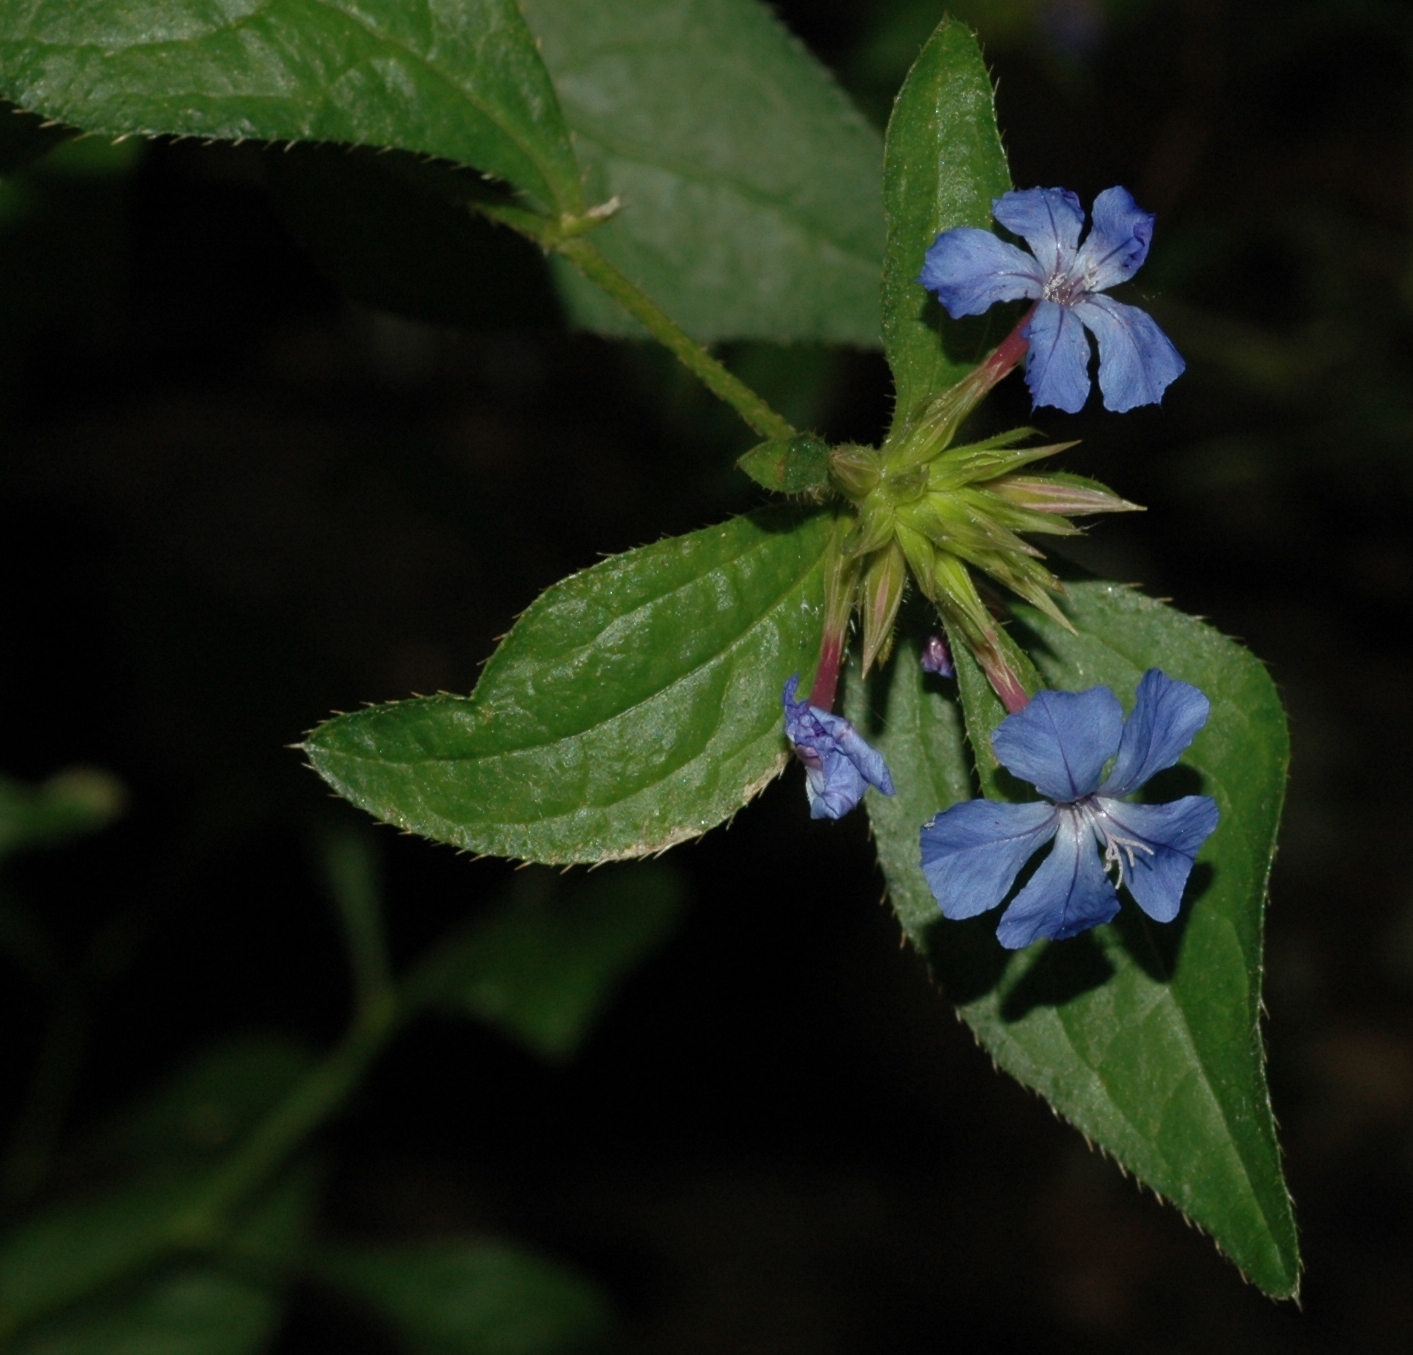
(855, 470)
(883, 584)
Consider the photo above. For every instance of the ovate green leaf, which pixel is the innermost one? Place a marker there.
(943, 165)
(1146, 1037)
(751, 186)
(461, 80)
(633, 706)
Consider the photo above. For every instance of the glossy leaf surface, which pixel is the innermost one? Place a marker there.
(1145, 1037)
(798, 465)
(461, 80)
(751, 186)
(943, 164)
(633, 706)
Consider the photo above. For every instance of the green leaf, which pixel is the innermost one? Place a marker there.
(192, 1311)
(1144, 1037)
(633, 706)
(751, 186)
(67, 805)
(798, 465)
(463, 82)
(543, 964)
(473, 1298)
(943, 163)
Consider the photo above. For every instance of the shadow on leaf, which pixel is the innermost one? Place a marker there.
(965, 957)
(1156, 947)
(1063, 970)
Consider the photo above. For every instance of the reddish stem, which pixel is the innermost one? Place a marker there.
(1002, 677)
(1007, 353)
(826, 677)
(1012, 694)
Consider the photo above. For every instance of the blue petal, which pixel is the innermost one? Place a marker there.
(835, 788)
(867, 759)
(1137, 361)
(1057, 363)
(1117, 243)
(970, 270)
(972, 853)
(1166, 717)
(1173, 834)
(1049, 220)
(1061, 741)
(1068, 894)
(839, 764)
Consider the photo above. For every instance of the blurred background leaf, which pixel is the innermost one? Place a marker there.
(192, 1311)
(473, 1298)
(68, 804)
(544, 963)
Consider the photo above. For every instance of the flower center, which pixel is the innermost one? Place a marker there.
(1117, 848)
(1064, 288)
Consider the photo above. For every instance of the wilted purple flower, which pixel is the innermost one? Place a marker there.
(1060, 743)
(970, 270)
(839, 765)
(937, 657)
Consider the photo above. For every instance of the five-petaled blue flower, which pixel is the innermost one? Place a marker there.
(970, 270)
(1061, 742)
(839, 765)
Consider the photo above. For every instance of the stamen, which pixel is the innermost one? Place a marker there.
(1116, 847)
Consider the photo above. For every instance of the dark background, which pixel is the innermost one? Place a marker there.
(232, 500)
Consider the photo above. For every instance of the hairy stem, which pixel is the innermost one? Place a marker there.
(586, 257)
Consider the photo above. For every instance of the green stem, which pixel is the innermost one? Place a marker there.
(585, 256)
(321, 1093)
(567, 237)
(351, 872)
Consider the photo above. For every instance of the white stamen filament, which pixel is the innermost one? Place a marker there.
(1116, 847)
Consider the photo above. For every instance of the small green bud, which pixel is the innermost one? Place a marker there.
(883, 584)
(855, 470)
(1060, 494)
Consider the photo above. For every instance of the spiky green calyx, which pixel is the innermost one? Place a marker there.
(942, 511)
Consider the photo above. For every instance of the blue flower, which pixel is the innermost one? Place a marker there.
(970, 270)
(1060, 743)
(838, 763)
